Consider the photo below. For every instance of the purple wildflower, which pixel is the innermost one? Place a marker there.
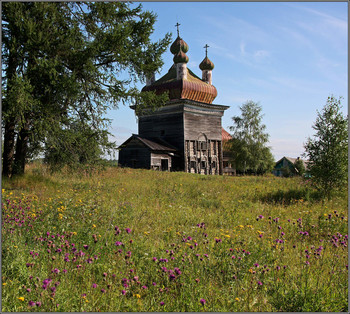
(202, 301)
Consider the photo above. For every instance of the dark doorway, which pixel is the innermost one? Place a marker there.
(165, 165)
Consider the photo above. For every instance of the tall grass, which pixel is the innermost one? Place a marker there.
(138, 240)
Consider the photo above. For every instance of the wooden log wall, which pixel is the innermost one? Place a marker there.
(135, 155)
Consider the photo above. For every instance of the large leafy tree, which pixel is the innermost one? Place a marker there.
(250, 153)
(64, 64)
(327, 150)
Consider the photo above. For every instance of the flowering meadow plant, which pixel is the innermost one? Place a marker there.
(136, 240)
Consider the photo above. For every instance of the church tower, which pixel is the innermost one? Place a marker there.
(185, 134)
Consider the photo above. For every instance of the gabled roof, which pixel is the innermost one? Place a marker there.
(152, 144)
(225, 135)
(293, 160)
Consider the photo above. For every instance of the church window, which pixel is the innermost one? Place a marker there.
(202, 145)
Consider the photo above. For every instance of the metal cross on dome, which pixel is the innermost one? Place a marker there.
(206, 49)
(177, 26)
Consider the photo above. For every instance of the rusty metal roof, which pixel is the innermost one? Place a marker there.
(225, 135)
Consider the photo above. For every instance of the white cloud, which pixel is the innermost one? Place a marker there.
(328, 20)
(242, 48)
(260, 54)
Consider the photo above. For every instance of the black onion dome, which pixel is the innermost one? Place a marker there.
(180, 57)
(206, 64)
(177, 45)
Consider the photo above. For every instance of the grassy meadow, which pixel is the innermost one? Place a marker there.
(140, 240)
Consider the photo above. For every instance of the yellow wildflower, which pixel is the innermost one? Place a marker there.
(21, 298)
(93, 226)
(4, 283)
(137, 296)
(227, 236)
(237, 299)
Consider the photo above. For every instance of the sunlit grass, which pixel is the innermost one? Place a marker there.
(138, 240)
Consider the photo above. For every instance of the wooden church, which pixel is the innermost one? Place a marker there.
(186, 133)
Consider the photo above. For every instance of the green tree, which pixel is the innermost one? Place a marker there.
(248, 145)
(65, 64)
(327, 150)
(299, 165)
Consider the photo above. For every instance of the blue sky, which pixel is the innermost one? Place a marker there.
(288, 56)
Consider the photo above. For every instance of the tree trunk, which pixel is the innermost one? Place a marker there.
(9, 148)
(21, 150)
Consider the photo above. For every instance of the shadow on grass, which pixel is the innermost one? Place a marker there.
(291, 196)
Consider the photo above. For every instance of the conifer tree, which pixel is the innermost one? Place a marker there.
(65, 64)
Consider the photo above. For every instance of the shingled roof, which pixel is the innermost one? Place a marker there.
(192, 88)
(152, 144)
